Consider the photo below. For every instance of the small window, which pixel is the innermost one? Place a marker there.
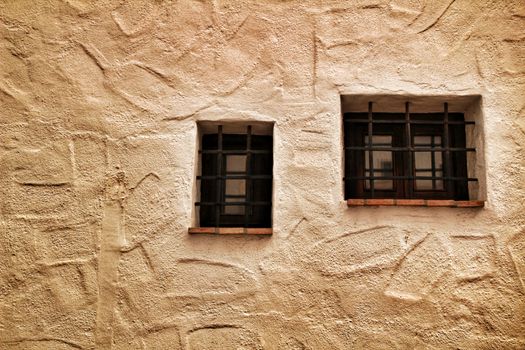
(235, 181)
(406, 155)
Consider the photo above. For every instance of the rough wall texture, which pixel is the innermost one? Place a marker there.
(99, 103)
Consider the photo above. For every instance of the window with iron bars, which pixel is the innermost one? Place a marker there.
(236, 177)
(406, 155)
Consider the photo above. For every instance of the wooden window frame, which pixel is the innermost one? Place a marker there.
(402, 127)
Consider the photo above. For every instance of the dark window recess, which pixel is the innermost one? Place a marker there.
(236, 180)
(405, 155)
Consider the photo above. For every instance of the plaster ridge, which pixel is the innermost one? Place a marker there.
(41, 339)
(55, 263)
(234, 33)
(108, 261)
(296, 226)
(368, 229)
(213, 262)
(405, 254)
(246, 77)
(186, 116)
(147, 257)
(473, 237)
(315, 60)
(195, 43)
(437, 19)
(521, 278)
(155, 72)
(215, 326)
(101, 62)
(144, 178)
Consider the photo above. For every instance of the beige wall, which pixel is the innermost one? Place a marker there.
(99, 104)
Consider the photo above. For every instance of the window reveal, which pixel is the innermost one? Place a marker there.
(396, 155)
(235, 180)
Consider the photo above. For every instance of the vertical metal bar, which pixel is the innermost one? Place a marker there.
(446, 141)
(433, 161)
(248, 181)
(370, 155)
(218, 204)
(411, 183)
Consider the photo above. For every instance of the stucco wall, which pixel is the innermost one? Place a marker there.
(98, 137)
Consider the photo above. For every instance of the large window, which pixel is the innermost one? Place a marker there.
(236, 176)
(406, 155)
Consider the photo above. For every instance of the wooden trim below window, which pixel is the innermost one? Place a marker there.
(230, 230)
(414, 203)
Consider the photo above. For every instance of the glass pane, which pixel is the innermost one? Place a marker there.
(236, 164)
(422, 140)
(234, 209)
(428, 163)
(427, 140)
(439, 183)
(382, 161)
(423, 160)
(424, 184)
(235, 187)
(380, 140)
(380, 184)
(438, 161)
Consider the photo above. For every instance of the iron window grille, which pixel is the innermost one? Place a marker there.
(235, 180)
(406, 156)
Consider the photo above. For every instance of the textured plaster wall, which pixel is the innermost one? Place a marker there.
(99, 104)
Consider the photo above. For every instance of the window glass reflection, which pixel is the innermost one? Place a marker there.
(382, 161)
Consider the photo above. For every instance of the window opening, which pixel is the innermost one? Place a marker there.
(406, 155)
(236, 179)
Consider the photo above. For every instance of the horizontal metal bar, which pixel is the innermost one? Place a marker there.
(403, 121)
(429, 169)
(235, 151)
(230, 177)
(413, 149)
(409, 178)
(234, 203)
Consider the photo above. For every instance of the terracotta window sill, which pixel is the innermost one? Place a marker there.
(230, 231)
(414, 203)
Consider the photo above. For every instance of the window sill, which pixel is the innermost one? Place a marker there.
(414, 203)
(230, 231)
